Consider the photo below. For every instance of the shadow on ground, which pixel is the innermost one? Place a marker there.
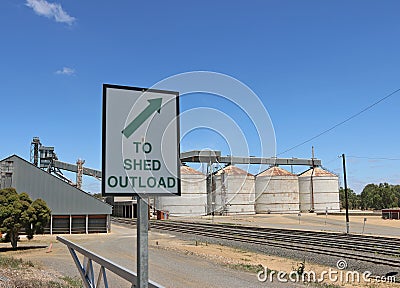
(21, 248)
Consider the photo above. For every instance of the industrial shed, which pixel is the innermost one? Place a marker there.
(73, 210)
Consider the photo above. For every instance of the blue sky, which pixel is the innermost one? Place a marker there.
(312, 63)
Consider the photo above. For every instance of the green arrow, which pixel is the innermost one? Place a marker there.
(154, 105)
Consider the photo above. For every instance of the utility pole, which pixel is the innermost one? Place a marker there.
(346, 195)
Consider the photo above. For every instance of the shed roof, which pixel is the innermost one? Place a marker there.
(61, 197)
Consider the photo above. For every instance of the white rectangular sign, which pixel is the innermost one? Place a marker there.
(140, 142)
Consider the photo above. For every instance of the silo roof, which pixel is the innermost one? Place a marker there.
(275, 171)
(233, 170)
(318, 172)
(189, 170)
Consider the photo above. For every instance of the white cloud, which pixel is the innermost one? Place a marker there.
(66, 71)
(50, 10)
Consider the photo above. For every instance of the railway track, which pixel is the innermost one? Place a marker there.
(373, 249)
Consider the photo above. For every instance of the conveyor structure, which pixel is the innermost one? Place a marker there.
(49, 161)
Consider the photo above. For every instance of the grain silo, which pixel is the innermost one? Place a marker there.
(318, 190)
(193, 199)
(232, 191)
(276, 191)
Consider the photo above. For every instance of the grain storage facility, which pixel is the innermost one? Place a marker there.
(232, 191)
(276, 191)
(72, 210)
(193, 199)
(319, 191)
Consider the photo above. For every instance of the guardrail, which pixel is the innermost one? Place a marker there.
(87, 272)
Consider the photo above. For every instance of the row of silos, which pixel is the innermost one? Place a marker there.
(232, 190)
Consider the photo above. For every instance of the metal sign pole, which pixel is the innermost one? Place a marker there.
(142, 243)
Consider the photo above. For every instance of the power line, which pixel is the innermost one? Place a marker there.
(375, 158)
(333, 160)
(340, 123)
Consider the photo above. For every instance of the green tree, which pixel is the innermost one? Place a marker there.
(380, 196)
(370, 197)
(17, 211)
(354, 199)
(396, 189)
(98, 195)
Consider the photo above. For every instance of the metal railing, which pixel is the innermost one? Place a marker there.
(87, 272)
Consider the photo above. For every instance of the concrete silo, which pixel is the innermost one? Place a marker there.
(319, 190)
(232, 191)
(276, 191)
(193, 199)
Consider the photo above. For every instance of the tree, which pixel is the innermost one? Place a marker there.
(380, 196)
(354, 199)
(17, 211)
(396, 189)
(98, 195)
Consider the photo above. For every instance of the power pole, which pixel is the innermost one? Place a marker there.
(346, 195)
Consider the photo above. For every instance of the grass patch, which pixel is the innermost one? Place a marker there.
(19, 264)
(11, 262)
(40, 284)
(240, 250)
(246, 267)
(73, 282)
(14, 263)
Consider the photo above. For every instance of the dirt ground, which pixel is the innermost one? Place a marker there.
(226, 256)
(241, 259)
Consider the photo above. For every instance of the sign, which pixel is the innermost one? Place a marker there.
(140, 142)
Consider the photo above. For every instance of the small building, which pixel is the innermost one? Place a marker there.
(72, 210)
(392, 213)
(232, 192)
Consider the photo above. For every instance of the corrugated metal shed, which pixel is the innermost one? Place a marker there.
(62, 198)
